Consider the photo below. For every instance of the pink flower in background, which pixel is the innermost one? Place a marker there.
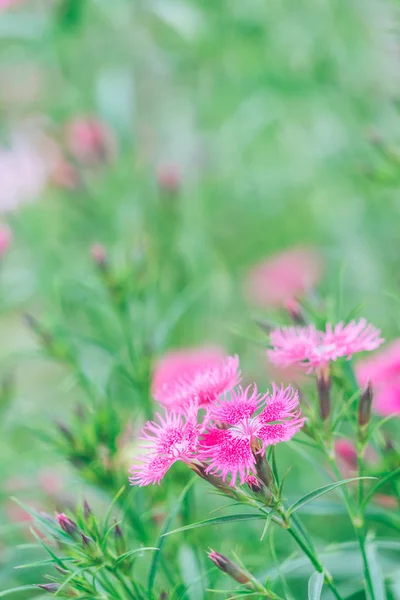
(239, 429)
(199, 376)
(64, 175)
(168, 177)
(89, 141)
(4, 4)
(279, 279)
(23, 175)
(173, 438)
(98, 254)
(383, 371)
(309, 347)
(5, 238)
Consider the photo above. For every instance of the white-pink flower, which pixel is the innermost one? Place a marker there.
(246, 423)
(311, 348)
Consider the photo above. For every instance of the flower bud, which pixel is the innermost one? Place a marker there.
(99, 255)
(230, 568)
(168, 177)
(48, 587)
(86, 541)
(364, 408)
(66, 432)
(324, 392)
(87, 511)
(263, 469)
(294, 310)
(120, 544)
(200, 469)
(67, 524)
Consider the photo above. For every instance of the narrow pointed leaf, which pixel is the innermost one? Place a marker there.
(315, 584)
(216, 521)
(321, 491)
(377, 486)
(131, 553)
(21, 588)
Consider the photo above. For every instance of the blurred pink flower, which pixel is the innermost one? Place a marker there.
(199, 375)
(50, 481)
(168, 177)
(4, 4)
(89, 141)
(383, 371)
(173, 438)
(310, 348)
(347, 454)
(278, 280)
(230, 449)
(5, 238)
(23, 175)
(64, 175)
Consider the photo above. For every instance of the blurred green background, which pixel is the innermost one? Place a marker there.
(280, 121)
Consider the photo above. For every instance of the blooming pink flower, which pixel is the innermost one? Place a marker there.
(173, 438)
(237, 429)
(312, 348)
(383, 371)
(283, 277)
(202, 378)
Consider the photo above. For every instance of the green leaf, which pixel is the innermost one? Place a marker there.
(376, 487)
(375, 572)
(161, 540)
(266, 525)
(216, 521)
(321, 491)
(109, 511)
(315, 584)
(131, 553)
(21, 588)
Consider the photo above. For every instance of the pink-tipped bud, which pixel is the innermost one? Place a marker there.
(294, 310)
(99, 255)
(90, 141)
(67, 524)
(364, 408)
(87, 511)
(168, 177)
(48, 587)
(324, 392)
(254, 484)
(230, 568)
(5, 238)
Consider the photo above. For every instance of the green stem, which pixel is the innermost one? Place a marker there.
(357, 521)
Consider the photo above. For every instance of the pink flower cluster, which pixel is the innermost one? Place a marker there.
(311, 348)
(214, 423)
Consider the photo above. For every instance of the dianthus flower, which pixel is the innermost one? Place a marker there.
(201, 385)
(237, 431)
(310, 347)
(173, 438)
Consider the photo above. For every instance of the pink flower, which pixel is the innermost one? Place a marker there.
(89, 140)
(173, 438)
(5, 238)
(312, 348)
(199, 377)
(4, 4)
(237, 430)
(383, 371)
(98, 254)
(283, 277)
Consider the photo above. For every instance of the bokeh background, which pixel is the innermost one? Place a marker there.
(190, 139)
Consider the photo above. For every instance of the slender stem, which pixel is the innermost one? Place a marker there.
(313, 557)
(357, 521)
